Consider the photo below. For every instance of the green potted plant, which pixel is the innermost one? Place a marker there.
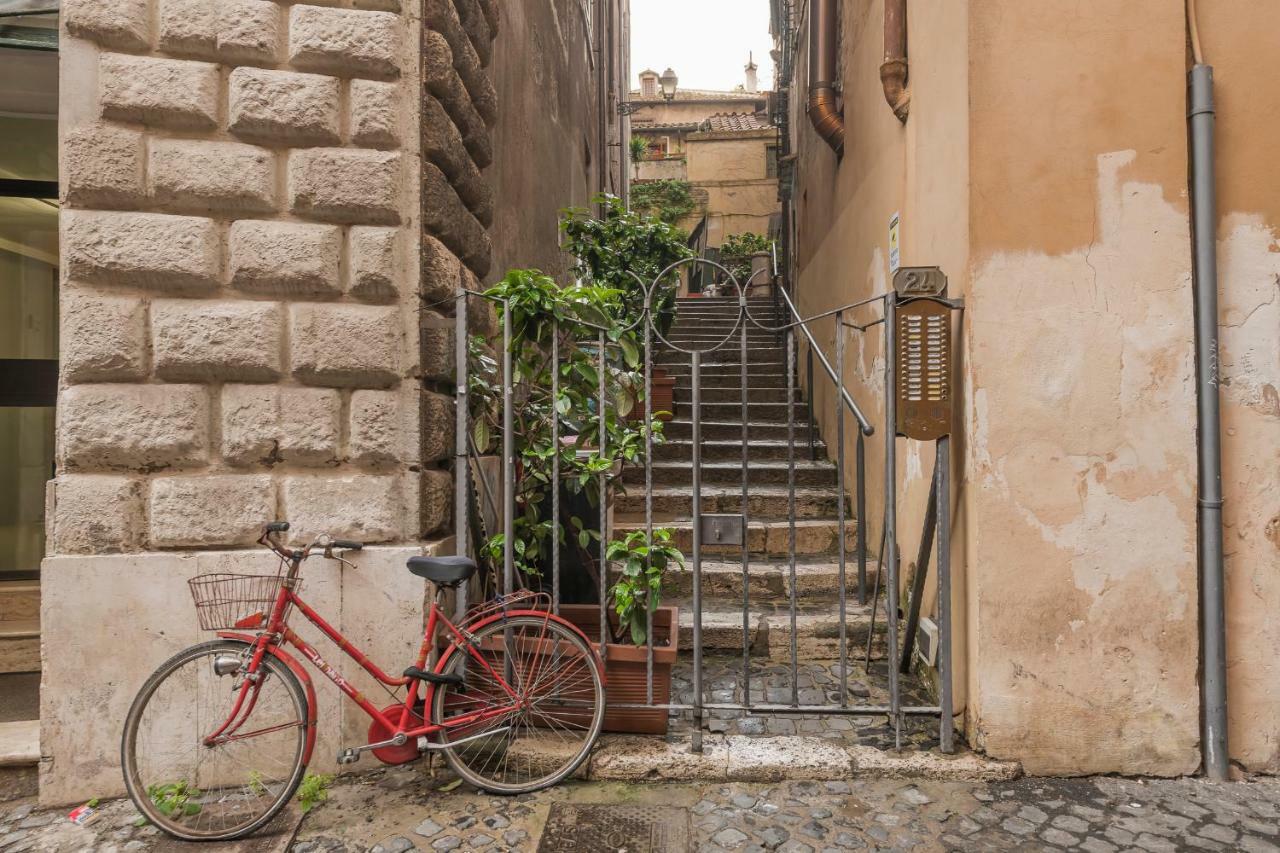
(635, 600)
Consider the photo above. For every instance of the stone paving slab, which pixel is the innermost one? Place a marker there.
(404, 809)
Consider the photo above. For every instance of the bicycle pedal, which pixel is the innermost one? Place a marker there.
(348, 756)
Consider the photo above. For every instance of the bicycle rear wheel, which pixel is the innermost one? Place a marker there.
(553, 720)
(236, 786)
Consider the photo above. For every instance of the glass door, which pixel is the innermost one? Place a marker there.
(28, 283)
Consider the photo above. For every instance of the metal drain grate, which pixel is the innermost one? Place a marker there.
(615, 829)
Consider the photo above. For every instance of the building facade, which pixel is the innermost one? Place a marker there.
(267, 209)
(1039, 155)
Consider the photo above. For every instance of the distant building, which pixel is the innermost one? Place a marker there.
(723, 143)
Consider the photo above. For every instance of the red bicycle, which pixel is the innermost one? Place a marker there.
(219, 737)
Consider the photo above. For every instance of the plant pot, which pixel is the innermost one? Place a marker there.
(625, 669)
(662, 387)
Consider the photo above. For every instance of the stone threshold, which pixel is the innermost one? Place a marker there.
(738, 758)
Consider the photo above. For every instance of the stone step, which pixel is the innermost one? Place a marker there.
(763, 502)
(724, 355)
(735, 395)
(20, 645)
(19, 761)
(19, 600)
(808, 474)
(817, 629)
(815, 537)
(677, 450)
(756, 412)
(724, 429)
(730, 379)
(769, 581)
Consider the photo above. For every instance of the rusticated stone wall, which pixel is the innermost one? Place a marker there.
(240, 277)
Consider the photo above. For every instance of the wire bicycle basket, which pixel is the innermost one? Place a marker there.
(223, 599)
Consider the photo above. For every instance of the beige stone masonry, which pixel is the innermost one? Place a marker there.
(141, 427)
(345, 185)
(164, 92)
(376, 427)
(375, 263)
(148, 250)
(285, 258)
(345, 345)
(96, 514)
(103, 165)
(197, 176)
(344, 42)
(364, 507)
(375, 114)
(209, 510)
(111, 23)
(200, 340)
(283, 107)
(442, 81)
(110, 336)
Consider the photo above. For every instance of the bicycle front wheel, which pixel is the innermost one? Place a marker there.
(199, 787)
(543, 733)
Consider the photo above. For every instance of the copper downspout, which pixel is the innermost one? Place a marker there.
(824, 112)
(893, 71)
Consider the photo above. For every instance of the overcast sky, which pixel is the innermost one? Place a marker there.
(705, 41)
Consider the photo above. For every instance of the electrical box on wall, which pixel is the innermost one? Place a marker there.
(927, 641)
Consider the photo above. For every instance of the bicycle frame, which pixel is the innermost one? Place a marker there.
(268, 641)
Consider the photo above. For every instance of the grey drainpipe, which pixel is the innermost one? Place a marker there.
(1213, 631)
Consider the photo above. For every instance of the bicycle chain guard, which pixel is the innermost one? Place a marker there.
(394, 755)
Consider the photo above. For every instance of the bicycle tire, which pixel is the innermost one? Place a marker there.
(456, 662)
(128, 743)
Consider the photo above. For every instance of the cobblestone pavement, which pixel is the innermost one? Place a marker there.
(402, 809)
(817, 683)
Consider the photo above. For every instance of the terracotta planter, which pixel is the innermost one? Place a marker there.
(663, 388)
(626, 672)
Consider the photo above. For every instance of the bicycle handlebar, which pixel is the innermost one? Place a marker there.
(347, 544)
(277, 527)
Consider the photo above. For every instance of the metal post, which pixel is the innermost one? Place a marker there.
(791, 511)
(861, 451)
(602, 485)
(648, 497)
(891, 508)
(508, 456)
(696, 379)
(745, 511)
(1213, 630)
(943, 479)
(840, 534)
(809, 393)
(462, 429)
(555, 467)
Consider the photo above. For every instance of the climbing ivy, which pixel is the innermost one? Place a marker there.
(668, 200)
(737, 249)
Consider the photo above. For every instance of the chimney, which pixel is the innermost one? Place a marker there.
(753, 84)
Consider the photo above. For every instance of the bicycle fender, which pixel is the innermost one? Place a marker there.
(300, 673)
(540, 614)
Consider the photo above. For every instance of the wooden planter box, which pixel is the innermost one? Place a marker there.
(625, 669)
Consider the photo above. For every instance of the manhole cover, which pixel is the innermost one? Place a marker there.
(616, 829)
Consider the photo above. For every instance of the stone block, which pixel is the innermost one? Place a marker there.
(482, 315)
(96, 514)
(111, 23)
(438, 346)
(345, 344)
(152, 250)
(168, 92)
(443, 82)
(363, 507)
(309, 425)
(188, 26)
(204, 510)
(375, 428)
(435, 500)
(480, 20)
(377, 5)
(375, 114)
(441, 271)
(102, 165)
(346, 42)
(132, 426)
(104, 337)
(204, 339)
(250, 424)
(249, 30)
(343, 185)
(199, 175)
(285, 258)
(443, 146)
(446, 217)
(374, 263)
(283, 106)
(437, 425)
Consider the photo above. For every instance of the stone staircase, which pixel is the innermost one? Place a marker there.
(700, 323)
(19, 688)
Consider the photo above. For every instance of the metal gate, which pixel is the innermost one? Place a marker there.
(916, 386)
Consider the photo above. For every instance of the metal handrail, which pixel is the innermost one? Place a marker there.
(863, 423)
